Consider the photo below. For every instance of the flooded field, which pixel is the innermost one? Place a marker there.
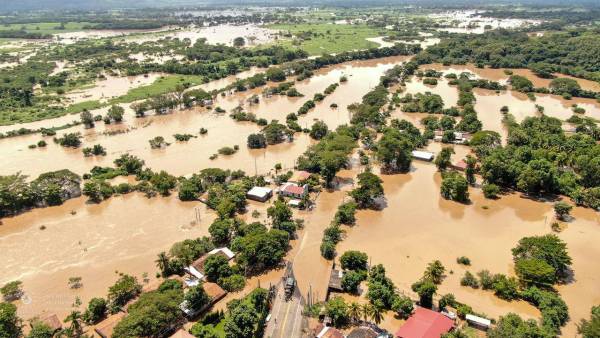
(488, 102)
(111, 87)
(45, 247)
(186, 158)
(475, 22)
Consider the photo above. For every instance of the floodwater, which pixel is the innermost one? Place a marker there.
(416, 226)
(111, 87)
(222, 34)
(92, 241)
(188, 157)
(474, 22)
(405, 236)
(488, 102)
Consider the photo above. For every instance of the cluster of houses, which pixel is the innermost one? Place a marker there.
(194, 276)
(294, 189)
(459, 137)
(423, 323)
(427, 156)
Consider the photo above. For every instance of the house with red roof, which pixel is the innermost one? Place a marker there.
(425, 323)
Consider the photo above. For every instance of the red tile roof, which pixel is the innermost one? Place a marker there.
(425, 323)
(294, 189)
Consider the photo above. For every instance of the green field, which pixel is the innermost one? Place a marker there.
(317, 39)
(162, 85)
(45, 27)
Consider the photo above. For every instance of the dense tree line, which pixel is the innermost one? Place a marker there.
(574, 52)
(52, 188)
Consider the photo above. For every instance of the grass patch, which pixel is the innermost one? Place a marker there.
(317, 39)
(45, 27)
(162, 85)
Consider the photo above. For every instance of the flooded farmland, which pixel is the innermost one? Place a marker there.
(44, 247)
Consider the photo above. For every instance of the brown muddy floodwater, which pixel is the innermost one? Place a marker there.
(417, 226)
(488, 102)
(111, 87)
(192, 156)
(92, 241)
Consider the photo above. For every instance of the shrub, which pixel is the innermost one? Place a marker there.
(490, 191)
(469, 280)
(463, 260)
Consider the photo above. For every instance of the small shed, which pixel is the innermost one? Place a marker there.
(52, 321)
(106, 327)
(261, 194)
(423, 155)
(299, 177)
(460, 165)
(479, 322)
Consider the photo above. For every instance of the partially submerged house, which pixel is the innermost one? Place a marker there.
(196, 269)
(423, 155)
(51, 320)
(293, 190)
(299, 177)
(460, 165)
(425, 323)
(214, 292)
(479, 322)
(261, 194)
(106, 327)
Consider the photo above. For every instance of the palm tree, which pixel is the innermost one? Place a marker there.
(75, 329)
(366, 311)
(163, 263)
(354, 311)
(376, 311)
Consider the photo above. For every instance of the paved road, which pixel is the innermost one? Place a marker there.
(286, 316)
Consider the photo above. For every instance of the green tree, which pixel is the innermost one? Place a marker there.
(337, 309)
(590, 328)
(435, 271)
(369, 188)
(40, 329)
(10, 323)
(394, 151)
(346, 213)
(454, 187)
(548, 248)
(354, 260)
(442, 160)
(125, 289)
(239, 42)
(12, 291)
(241, 322)
(216, 267)
(196, 297)
(87, 119)
(512, 326)
(151, 315)
(562, 209)
(116, 113)
(351, 281)
(256, 141)
(425, 289)
(403, 306)
(95, 311)
(220, 231)
(318, 130)
(470, 169)
(535, 271)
